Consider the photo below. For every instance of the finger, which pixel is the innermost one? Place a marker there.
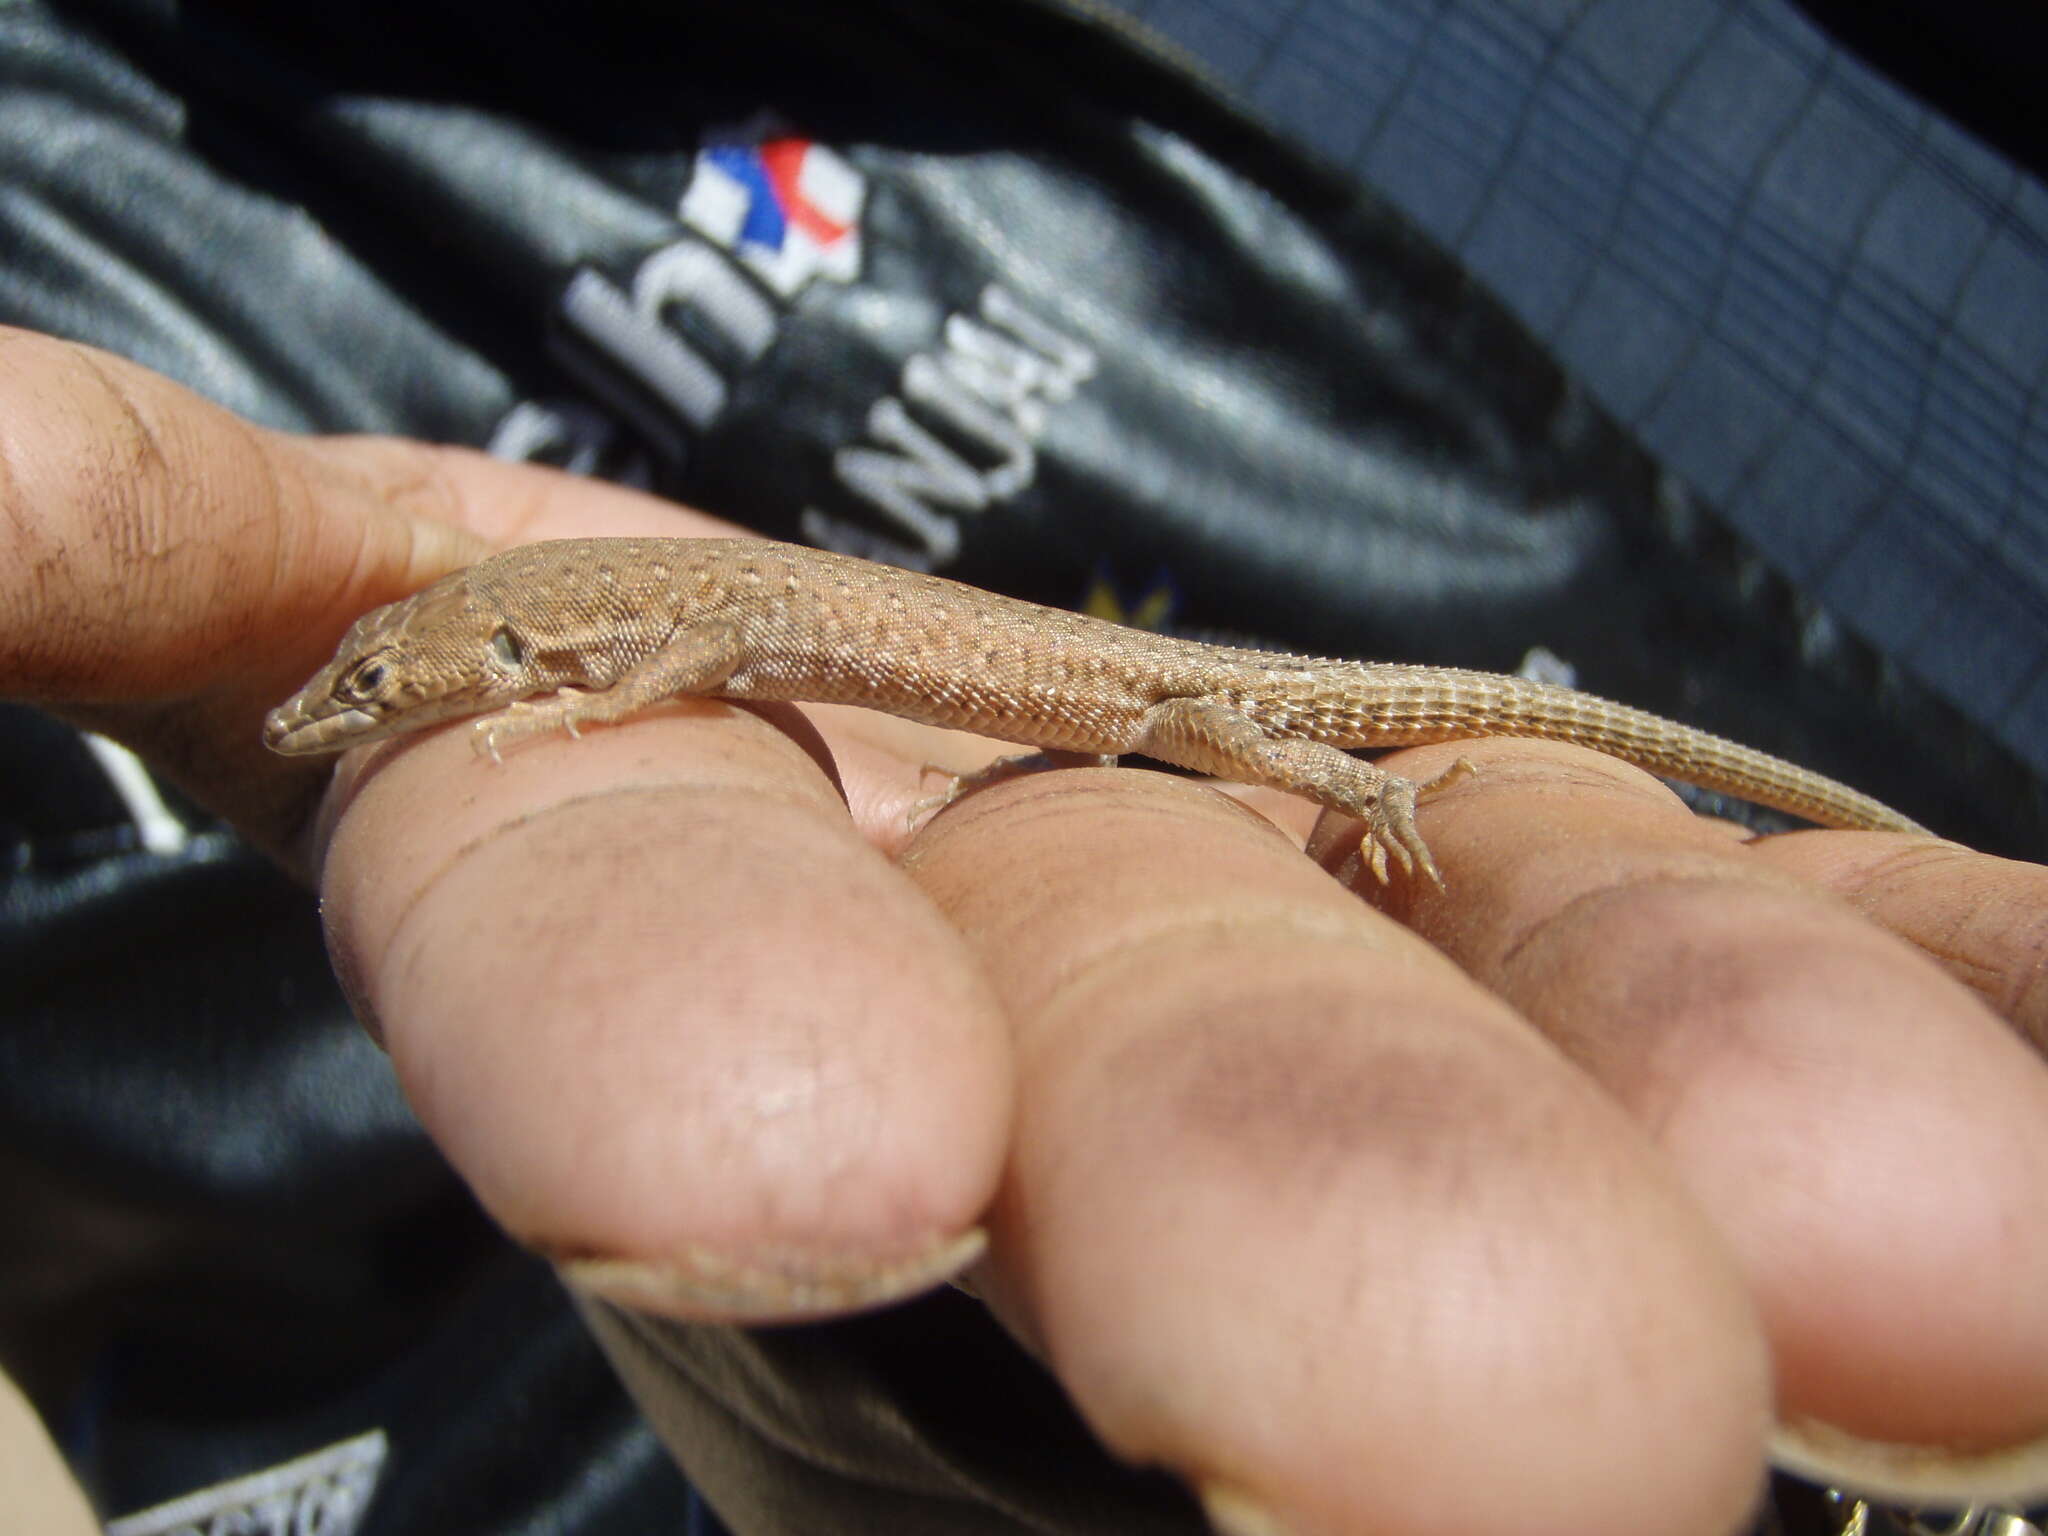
(1298, 1211)
(1861, 1128)
(148, 554)
(668, 1014)
(41, 1493)
(1983, 920)
(158, 544)
(173, 571)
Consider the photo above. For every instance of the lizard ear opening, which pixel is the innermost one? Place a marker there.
(506, 648)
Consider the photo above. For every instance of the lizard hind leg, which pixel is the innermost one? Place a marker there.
(1208, 736)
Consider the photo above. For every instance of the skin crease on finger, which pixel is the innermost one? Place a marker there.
(1298, 1211)
(658, 1001)
(163, 556)
(1984, 919)
(1861, 1128)
(154, 537)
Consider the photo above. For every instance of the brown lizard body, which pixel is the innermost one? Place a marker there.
(609, 627)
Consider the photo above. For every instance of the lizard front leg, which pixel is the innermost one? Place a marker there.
(692, 661)
(1211, 737)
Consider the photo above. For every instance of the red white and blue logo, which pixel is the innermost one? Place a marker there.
(788, 208)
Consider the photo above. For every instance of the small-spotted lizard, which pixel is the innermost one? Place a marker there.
(606, 628)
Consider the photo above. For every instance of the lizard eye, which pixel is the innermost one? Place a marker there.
(506, 648)
(368, 679)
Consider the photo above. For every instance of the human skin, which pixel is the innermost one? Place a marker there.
(40, 1494)
(1526, 1203)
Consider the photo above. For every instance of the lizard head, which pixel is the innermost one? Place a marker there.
(437, 655)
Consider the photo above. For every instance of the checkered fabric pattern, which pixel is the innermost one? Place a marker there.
(1818, 300)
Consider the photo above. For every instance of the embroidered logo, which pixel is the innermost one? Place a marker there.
(789, 208)
(327, 1492)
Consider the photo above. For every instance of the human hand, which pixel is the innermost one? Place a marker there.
(1288, 1201)
(41, 1496)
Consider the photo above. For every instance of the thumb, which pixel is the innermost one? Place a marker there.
(167, 569)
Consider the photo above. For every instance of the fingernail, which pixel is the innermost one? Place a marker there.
(770, 1286)
(1912, 1474)
(1235, 1514)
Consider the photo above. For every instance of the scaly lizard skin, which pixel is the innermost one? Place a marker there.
(609, 627)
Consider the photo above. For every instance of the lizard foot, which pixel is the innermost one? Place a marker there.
(931, 805)
(1391, 831)
(524, 718)
(1391, 828)
(1014, 766)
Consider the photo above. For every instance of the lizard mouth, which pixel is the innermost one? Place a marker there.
(290, 731)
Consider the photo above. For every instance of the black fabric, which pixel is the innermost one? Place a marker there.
(919, 1421)
(1976, 60)
(1244, 396)
(1816, 298)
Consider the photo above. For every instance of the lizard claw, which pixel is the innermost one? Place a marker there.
(1375, 853)
(566, 701)
(956, 786)
(1392, 828)
(1463, 768)
(483, 736)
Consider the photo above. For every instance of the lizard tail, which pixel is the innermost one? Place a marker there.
(1520, 707)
